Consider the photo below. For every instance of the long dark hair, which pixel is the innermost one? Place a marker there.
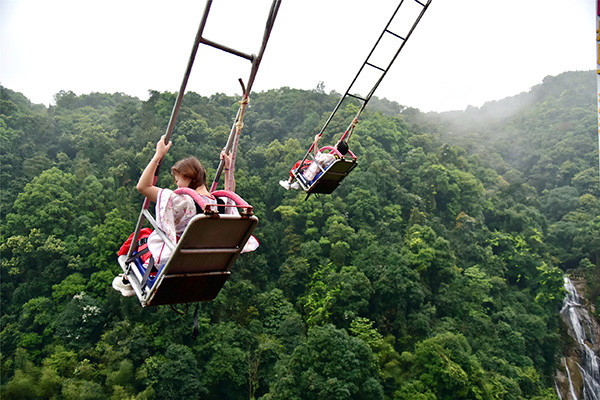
(191, 169)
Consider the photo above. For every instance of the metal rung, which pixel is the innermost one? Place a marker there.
(420, 3)
(208, 251)
(395, 34)
(356, 97)
(210, 273)
(249, 57)
(375, 66)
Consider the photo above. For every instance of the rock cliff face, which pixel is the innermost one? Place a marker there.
(578, 377)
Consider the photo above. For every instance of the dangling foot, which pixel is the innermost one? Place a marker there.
(295, 185)
(285, 184)
(123, 286)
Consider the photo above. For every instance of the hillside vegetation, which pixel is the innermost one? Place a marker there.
(433, 272)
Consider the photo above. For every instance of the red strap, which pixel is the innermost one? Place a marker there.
(144, 233)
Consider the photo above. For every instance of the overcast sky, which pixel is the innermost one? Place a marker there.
(464, 52)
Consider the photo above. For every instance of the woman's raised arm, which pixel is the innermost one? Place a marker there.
(145, 184)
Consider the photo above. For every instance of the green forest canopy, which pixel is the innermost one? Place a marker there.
(433, 272)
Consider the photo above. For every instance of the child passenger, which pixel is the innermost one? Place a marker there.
(311, 169)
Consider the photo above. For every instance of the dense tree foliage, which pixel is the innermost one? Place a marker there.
(433, 272)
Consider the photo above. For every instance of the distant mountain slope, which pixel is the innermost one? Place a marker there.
(547, 134)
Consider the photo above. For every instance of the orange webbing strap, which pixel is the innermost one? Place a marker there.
(232, 143)
(239, 124)
(350, 130)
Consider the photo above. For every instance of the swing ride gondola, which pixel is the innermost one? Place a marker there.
(329, 177)
(212, 241)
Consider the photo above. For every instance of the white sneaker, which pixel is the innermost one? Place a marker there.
(295, 185)
(125, 288)
(285, 184)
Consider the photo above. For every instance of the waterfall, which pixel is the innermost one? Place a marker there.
(583, 368)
